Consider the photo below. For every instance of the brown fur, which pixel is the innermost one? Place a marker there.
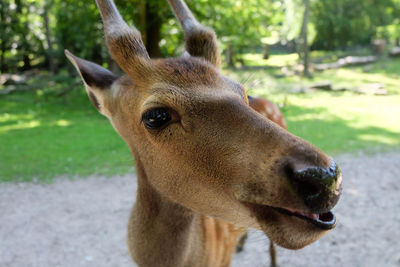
(271, 112)
(268, 109)
(197, 176)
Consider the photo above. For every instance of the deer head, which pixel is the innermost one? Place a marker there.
(199, 144)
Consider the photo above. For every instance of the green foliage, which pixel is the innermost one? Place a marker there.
(21, 38)
(342, 23)
(389, 32)
(239, 23)
(78, 29)
(241, 26)
(292, 21)
(76, 25)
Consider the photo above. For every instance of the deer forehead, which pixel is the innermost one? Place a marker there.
(192, 72)
(177, 83)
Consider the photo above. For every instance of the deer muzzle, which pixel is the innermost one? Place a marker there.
(317, 186)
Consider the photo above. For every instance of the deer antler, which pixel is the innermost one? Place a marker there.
(200, 41)
(124, 42)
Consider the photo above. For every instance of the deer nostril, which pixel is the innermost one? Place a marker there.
(317, 186)
(307, 189)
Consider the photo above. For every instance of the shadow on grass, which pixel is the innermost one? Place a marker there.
(388, 66)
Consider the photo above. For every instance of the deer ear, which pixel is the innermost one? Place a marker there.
(97, 80)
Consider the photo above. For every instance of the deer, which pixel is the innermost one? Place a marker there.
(267, 109)
(208, 166)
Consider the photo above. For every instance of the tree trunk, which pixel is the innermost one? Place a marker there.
(27, 61)
(229, 56)
(3, 64)
(153, 31)
(266, 51)
(25, 46)
(49, 52)
(142, 20)
(304, 39)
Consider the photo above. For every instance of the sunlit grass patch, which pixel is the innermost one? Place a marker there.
(279, 60)
(345, 122)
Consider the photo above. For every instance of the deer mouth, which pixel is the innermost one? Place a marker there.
(324, 221)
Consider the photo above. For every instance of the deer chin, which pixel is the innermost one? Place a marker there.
(290, 228)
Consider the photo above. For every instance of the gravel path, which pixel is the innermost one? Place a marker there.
(83, 222)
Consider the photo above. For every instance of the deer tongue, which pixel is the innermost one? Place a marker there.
(314, 216)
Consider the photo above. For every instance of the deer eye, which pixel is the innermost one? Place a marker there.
(156, 118)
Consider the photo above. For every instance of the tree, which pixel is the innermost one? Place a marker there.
(34, 33)
(3, 33)
(37, 31)
(78, 28)
(239, 24)
(49, 42)
(341, 23)
(304, 48)
(149, 17)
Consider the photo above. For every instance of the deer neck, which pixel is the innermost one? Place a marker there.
(164, 233)
(160, 232)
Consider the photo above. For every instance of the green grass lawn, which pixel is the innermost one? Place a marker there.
(43, 135)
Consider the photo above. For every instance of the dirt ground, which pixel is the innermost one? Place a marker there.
(83, 222)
